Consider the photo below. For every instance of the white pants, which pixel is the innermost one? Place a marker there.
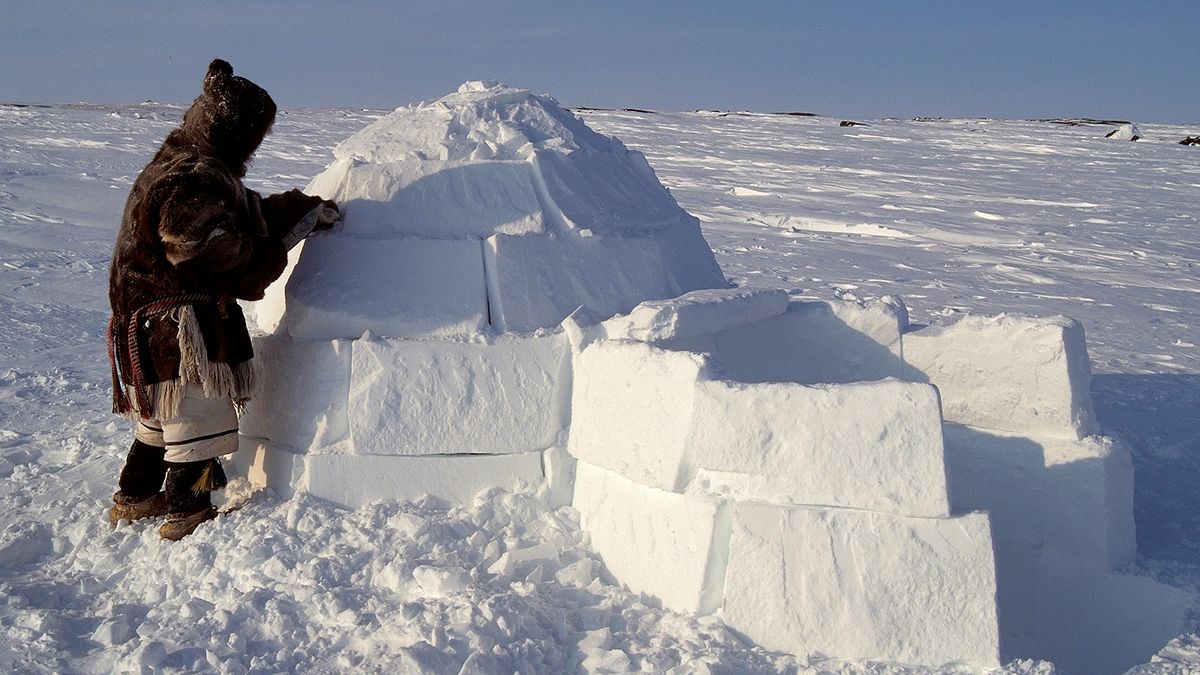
(205, 428)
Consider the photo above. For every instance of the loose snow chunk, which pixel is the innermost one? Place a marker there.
(338, 286)
(1009, 373)
(415, 397)
(536, 281)
(434, 199)
(632, 410)
(815, 342)
(863, 585)
(355, 480)
(694, 314)
(875, 446)
(303, 390)
(613, 192)
(667, 545)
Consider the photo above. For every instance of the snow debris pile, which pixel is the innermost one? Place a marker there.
(515, 299)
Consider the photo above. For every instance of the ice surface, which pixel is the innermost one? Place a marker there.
(863, 585)
(429, 397)
(669, 546)
(1009, 373)
(338, 286)
(355, 480)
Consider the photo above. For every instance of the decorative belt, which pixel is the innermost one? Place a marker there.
(145, 407)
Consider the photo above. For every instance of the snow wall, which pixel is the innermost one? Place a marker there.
(515, 299)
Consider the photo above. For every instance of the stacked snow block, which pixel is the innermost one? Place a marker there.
(816, 519)
(1036, 372)
(760, 335)
(1021, 444)
(355, 421)
(415, 350)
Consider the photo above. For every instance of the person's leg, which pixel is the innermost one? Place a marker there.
(204, 430)
(139, 487)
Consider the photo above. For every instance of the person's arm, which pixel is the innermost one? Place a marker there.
(211, 250)
(285, 210)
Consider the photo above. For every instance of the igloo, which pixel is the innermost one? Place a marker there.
(514, 298)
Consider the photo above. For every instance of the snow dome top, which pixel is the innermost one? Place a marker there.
(482, 120)
(488, 209)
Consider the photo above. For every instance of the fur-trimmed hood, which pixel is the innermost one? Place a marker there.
(228, 120)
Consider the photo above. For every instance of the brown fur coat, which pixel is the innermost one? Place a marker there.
(192, 240)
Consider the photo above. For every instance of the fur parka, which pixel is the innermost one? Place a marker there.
(192, 240)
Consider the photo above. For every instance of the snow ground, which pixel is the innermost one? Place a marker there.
(955, 216)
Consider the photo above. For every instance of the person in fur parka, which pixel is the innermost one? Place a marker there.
(194, 240)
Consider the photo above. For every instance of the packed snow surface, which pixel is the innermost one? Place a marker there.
(955, 216)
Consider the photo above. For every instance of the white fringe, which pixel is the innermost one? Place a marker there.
(166, 397)
(218, 380)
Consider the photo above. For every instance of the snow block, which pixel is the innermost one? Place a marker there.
(653, 416)
(875, 446)
(606, 192)
(632, 410)
(1089, 511)
(429, 397)
(863, 585)
(536, 281)
(813, 342)
(1072, 499)
(693, 314)
(303, 390)
(338, 286)
(666, 545)
(1008, 373)
(356, 480)
(460, 199)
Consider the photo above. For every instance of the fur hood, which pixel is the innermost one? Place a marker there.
(229, 120)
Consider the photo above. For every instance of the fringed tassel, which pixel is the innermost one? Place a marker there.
(121, 402)
(212, 478)
(217, 379)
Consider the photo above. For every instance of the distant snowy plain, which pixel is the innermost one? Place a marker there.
(955, 216)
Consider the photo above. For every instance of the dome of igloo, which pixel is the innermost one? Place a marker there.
(489, 209)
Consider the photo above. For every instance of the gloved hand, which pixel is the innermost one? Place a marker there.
(327, 214)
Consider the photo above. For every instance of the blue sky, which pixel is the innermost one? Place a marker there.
(1013, 59)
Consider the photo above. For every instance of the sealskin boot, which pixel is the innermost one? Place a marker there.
(189, 488)
(127, 508)
(180, 525)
